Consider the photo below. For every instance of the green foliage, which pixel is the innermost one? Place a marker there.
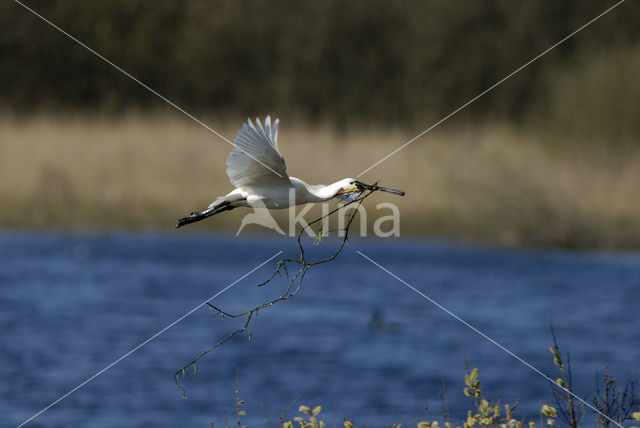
(596, 98)
(405, 62)
(485, 414)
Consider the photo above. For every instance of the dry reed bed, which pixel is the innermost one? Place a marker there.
(485, 183)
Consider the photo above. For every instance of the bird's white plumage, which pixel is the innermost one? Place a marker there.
(256, 159)
(258, 171)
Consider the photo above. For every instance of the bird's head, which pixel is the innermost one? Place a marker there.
(350, 188)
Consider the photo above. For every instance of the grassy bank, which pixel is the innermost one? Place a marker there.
(493, 184)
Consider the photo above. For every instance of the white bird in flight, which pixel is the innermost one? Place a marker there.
(258, 171)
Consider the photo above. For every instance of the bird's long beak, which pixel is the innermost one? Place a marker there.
(345, 191)
(362, 186)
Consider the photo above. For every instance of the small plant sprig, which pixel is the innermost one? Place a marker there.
(486, 413)
(613, 405)
(616, 403)
(571, 414)
(239, 412)
(308, 419)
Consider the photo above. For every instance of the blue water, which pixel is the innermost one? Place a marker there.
(71, 305)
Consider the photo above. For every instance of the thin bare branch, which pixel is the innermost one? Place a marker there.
(293, 286)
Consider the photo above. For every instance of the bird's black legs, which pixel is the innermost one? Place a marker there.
(197, 216)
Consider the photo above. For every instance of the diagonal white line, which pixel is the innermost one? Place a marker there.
(488, 338)
(517, 70)
(159, 95)
(149, 339)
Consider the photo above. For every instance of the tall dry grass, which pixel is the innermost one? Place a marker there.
(486, 183)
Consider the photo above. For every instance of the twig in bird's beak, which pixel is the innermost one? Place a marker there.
(373, 187)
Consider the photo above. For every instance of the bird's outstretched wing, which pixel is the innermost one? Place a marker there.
(256, 159)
